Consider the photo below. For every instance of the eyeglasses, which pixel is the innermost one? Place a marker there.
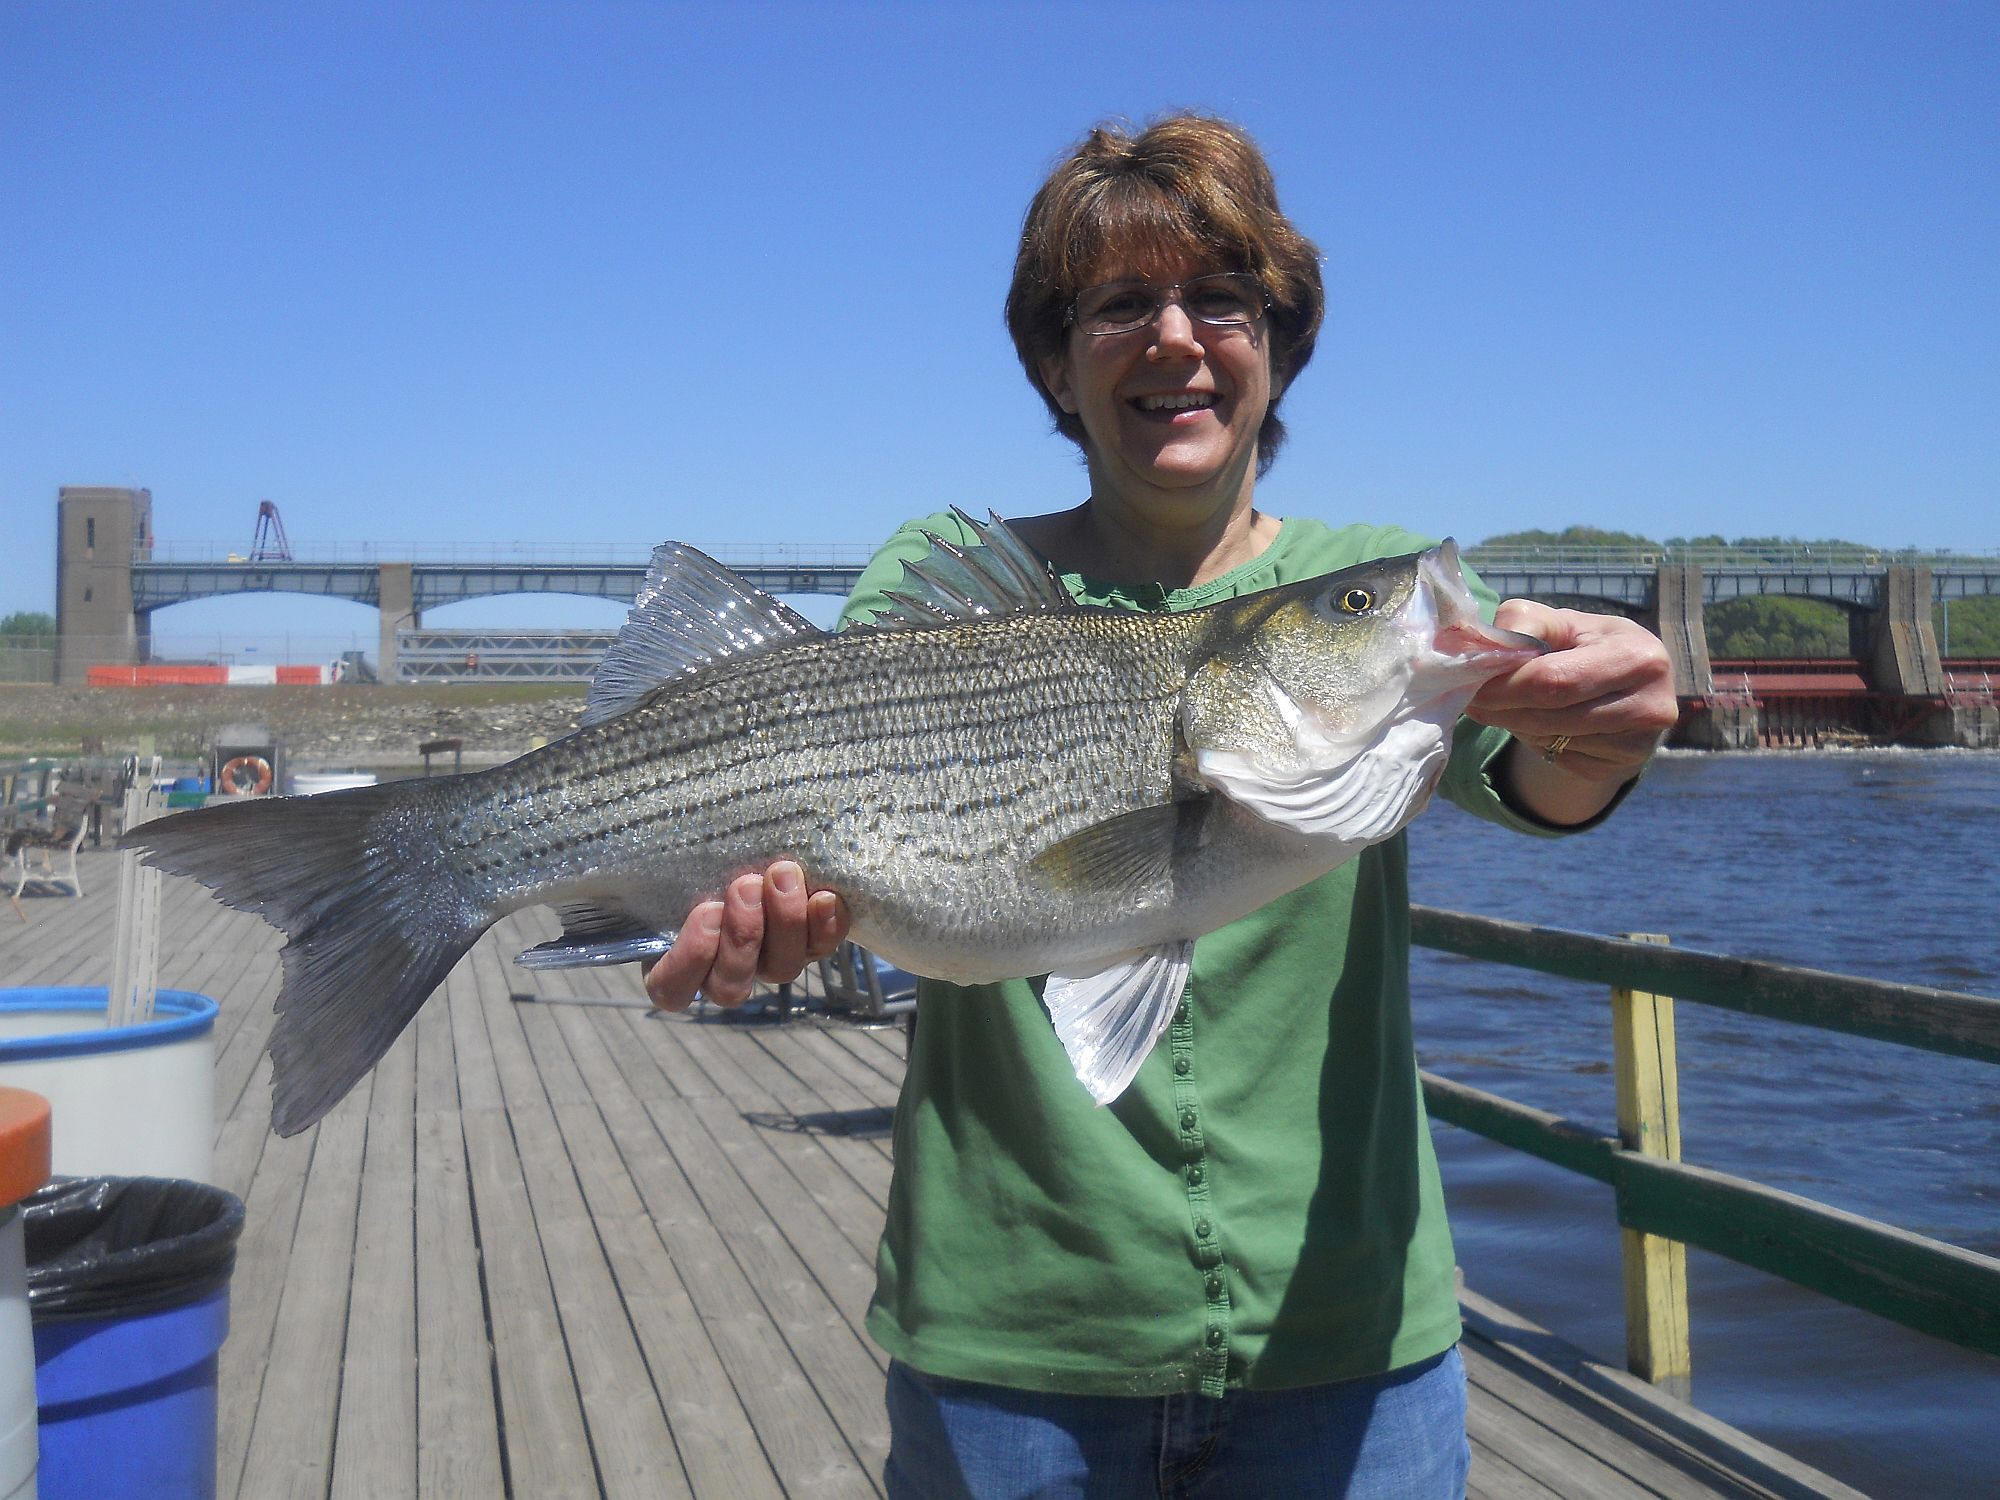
(1227, 299)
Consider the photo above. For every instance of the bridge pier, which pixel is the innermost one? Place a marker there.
(99, 530)
(1897, 647)
(1709, 720)
(396, 600)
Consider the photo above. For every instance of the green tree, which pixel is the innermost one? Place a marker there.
(1774, 626)
(1972, 628)
(1570, 536)
(27, 622)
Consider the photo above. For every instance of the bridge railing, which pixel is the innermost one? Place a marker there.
(782, 554)
(490, 554)
(1923, 1283)
(1805, 556)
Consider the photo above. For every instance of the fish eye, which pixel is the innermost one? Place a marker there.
(1357, 601)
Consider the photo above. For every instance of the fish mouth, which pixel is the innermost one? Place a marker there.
(1461, 640)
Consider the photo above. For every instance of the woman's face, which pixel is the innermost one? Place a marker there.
(1170, 410)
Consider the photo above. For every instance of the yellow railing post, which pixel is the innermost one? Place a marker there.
(1649, 1122)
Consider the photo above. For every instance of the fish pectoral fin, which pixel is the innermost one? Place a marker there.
(1360, 800)
(1108, 1021)
(689, 613)
(594, 936)
(1133, 851)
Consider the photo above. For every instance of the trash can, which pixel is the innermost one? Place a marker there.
(128, 1287)
(24, 1166)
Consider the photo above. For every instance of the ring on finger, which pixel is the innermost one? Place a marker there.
(1552, 752)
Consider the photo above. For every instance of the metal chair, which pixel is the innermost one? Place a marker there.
(55, 846)
(867, 986)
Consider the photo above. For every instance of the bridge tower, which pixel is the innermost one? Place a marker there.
(100, 529)
(1712, 720)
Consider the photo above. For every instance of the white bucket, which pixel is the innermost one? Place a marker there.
(308, 783)
(20, 1454)
(124, 1101)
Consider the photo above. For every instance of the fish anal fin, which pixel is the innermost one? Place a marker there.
(690, 613)
(1109, 1020)
(594, 936)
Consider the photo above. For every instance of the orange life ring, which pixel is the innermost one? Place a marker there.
(245, 776)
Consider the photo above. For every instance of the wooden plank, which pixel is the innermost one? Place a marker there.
(706, 1046)
(458, 1430)
(375, 1447)
(478, 1082)
(712, 1429)
(1610, 1397)
(800, 1441)
(1649, 1122)
(1534, 1131)
(627, 1426)
(547, 1451)
(1922, 1283)
(718, 1448)
(270, 1216)
(1910, 1014)
(842, 1266)
(436, 1054)
(291, 1443)
(837, 1360)
(1562, 1467)
(1493, 1478)
(1539, 1427)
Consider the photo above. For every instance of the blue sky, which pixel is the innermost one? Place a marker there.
(455, 273)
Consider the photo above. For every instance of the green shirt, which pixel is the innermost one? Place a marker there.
(1261, 1207)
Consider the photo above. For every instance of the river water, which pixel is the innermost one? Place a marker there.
(1885, 864)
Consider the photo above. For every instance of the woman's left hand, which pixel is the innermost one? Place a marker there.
(1587, 716)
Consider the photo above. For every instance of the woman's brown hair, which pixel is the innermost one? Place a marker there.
(1186, 187)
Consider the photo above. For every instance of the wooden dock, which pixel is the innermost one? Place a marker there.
(562, 1245)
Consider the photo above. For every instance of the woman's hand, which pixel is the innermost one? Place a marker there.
(1586, 717)
(765, 926)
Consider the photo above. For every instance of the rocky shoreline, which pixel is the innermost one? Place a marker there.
(346, 726)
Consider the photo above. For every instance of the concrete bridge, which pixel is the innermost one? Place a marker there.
(112, 576)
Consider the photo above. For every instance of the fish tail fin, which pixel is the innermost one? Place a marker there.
(374, 918)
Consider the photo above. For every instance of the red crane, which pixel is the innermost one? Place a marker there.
(270, 544)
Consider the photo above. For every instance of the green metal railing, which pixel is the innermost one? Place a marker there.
(1922, 1283)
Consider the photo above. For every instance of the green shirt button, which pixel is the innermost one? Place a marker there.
(1202, 1227)
(1187, 1119)
(1182, 1066)
(1181, 1014)
(1214, 1285)
(1215, 1337)
(1195, 1174)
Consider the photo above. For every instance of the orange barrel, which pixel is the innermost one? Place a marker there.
(24, 1166)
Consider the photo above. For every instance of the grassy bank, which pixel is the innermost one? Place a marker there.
(360, 721)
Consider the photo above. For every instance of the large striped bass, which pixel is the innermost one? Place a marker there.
(998, 781)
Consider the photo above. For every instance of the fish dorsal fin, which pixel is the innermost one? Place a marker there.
(689, 613)
(995, 575)
(1108, 1021)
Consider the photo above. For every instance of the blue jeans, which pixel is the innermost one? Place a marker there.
(1399, 1436)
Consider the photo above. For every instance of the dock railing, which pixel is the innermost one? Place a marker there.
(1664, 1204)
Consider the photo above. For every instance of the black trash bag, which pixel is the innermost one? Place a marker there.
(102, 1247)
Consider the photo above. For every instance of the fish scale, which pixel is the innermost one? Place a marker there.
(1001, 785)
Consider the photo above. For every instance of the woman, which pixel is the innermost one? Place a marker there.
(1236, 1279)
